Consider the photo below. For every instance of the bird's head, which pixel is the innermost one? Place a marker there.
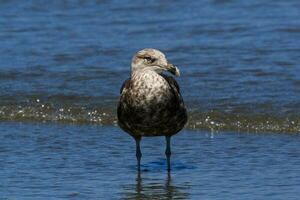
(154, 60)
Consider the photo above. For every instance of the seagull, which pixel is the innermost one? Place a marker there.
(150, 102)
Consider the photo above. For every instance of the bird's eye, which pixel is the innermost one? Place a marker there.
(149, 59)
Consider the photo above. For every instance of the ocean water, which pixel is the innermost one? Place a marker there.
(64, 61)
(61, 67)
(46, 161)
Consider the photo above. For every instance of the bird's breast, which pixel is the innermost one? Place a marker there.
(149, 89)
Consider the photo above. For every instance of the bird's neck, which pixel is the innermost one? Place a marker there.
(148, 79)
(144, 72)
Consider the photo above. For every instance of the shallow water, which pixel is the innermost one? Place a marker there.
(66, 60)
(46, 161)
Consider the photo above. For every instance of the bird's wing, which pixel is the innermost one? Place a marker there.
(125, 85)
(172, 82)
(178, 100)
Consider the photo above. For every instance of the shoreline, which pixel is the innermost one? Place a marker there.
(187, 127)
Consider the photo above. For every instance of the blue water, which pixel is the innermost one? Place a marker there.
(46, 161)
(61, 67)
(239, 60)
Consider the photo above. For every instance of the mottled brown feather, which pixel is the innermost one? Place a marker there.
(156, 119)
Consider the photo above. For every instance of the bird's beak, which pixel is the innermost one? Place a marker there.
(173, 69)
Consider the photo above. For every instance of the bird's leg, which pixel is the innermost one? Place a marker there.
(168, 151)
(138, 152)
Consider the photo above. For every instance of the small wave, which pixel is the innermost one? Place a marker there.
(213, 120)
(247, 122)
(50, 112)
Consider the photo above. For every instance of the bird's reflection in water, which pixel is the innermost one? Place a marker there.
(154, 189)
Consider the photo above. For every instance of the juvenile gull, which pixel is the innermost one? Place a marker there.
(150, 102)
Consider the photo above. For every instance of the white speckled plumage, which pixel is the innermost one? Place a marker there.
(150, 102)
(150, 85)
